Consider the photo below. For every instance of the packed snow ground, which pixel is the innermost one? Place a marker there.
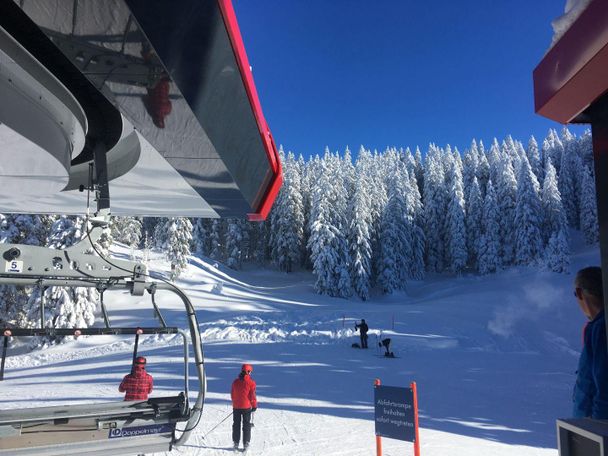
(493, 357)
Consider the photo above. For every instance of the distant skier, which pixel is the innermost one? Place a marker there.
(386, 343)
(244, 403)
(363, 328)
(138, 384)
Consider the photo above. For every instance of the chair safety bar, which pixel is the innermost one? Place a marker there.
(25, 332)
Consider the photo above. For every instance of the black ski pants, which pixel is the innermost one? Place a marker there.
(363, 340)
(245, 416)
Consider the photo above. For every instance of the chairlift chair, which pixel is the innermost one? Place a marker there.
(108, 428)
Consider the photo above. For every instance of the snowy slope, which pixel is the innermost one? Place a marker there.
(493, 358)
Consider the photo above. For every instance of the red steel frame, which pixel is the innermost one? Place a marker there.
(269, 193)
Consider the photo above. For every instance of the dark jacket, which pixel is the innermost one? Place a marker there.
(591, 389)
(243, 393)
(137, 384)
(363, 328)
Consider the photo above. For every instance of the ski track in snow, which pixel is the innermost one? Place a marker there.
(493, 360)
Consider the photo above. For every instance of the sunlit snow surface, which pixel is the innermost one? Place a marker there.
(493, 357)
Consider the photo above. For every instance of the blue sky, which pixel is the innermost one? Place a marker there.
(397, 72)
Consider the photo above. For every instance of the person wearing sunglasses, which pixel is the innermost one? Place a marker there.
(590, 394)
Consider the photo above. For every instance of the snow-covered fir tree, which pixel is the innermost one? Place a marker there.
(474, 222)
(234, 238)
(160, 233)
(328, 245)
(216, 248)
(127, 230)
(553, 150)
(455, 224)
(534, 159)
(506, 196)
(394, 240)
(483, 169)
(555, 225)
(434, 200)
(418, 170)
(200, 236)
(589, 221)
(305, 189)
(359, 239)
(470, 163)
(415, 214)
(287, 218)
(557, 254)
(528, 217)
(177, 245)
(489, 242)
(552, 210)
(567, 179)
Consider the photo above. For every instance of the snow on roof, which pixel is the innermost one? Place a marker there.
(572, 11)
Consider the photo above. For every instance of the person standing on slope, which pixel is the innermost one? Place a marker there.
(363, 328)
(138, 384)
(244, 403)
(591, 389)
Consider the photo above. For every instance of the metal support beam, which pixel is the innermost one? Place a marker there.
(152, 291)
(42, 290)
(101, 289)
(599, 130)
(102, 193)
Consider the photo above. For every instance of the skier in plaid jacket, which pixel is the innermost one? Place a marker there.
(138, 384)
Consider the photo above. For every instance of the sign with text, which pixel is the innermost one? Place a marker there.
(395, 418)
(139, 431)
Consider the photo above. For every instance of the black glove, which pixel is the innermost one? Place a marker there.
(253, 409)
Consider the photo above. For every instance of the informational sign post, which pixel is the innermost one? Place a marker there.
(396, 414)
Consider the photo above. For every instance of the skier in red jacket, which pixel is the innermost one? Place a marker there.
(137, 384)
(244, 403)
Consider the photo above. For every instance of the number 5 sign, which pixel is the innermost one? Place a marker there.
(13, 266)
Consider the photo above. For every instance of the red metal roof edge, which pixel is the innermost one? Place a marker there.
(569, 67)
(238, 47)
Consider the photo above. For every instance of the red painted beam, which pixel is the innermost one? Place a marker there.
(574, 73)
(274, 179)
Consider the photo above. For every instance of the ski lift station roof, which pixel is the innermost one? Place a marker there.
(153, 99)
(573, 75)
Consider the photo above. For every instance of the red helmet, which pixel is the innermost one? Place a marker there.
(247, 368)
(140, 360)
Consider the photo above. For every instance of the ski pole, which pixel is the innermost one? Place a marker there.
(216, 426)
(252, 415)
(4, 347)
